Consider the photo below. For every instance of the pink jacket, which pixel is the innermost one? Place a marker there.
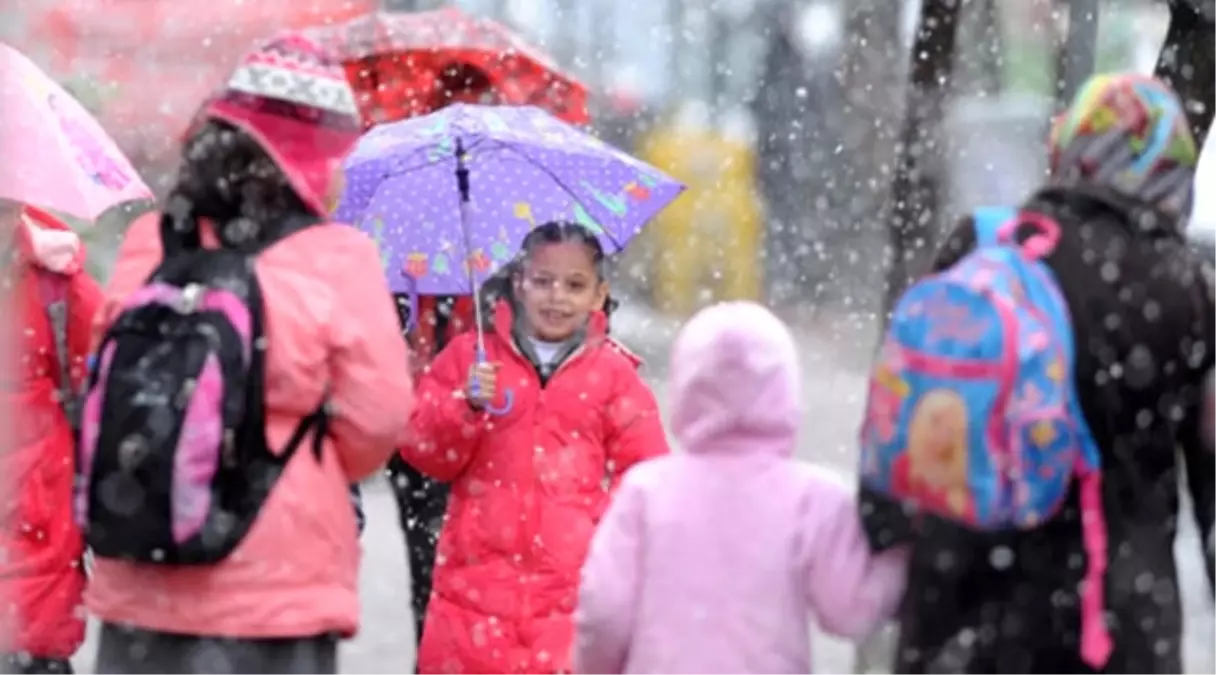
(714, 560)
(330, 321)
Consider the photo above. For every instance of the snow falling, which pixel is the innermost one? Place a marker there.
(828, 148)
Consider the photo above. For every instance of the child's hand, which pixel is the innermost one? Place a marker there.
(482, 385)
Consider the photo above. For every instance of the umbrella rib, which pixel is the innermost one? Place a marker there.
(391, 172)
(425, 164)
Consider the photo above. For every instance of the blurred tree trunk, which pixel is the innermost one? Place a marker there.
(860, 140)
(919, 172)
(789, 113)
(1186, 62)
(1075, 57)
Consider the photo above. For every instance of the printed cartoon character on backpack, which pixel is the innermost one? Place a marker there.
(971, 415)
(934, 466)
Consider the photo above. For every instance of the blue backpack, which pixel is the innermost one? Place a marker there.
(972, 413)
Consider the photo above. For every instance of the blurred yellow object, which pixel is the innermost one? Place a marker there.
(708, 241)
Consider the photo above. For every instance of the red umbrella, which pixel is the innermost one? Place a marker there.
(403, 65)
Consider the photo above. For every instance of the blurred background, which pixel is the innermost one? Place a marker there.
(784, 116)
(827, 145)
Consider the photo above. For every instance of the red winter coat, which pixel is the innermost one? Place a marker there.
(41, 580)
(528, 488)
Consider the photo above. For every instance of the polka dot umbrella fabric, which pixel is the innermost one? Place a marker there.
(396, 62)
(525, 167)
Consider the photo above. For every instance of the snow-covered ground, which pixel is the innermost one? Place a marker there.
(834, 388)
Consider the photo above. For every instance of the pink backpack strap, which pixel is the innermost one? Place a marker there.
(1096, 642)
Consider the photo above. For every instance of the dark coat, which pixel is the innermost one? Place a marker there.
(1143, 315)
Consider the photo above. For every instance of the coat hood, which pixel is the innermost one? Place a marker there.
(44, 241)
(735, 381)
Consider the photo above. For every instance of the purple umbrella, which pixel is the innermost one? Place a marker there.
(524, 167)
(449, 197)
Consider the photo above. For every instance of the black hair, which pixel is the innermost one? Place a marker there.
(502, 284)
(226, 177)
(562, 232)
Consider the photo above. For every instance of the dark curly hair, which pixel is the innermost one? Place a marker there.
(226, 177)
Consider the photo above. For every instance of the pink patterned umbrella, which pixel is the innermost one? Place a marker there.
(54, 154)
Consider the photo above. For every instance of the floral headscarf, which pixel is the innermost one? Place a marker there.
(1127, 133)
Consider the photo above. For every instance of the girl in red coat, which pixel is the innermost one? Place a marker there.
(41, 580)
(532, 442)
(422, 501)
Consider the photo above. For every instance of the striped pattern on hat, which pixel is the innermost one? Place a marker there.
(295, 70)
(293, 99)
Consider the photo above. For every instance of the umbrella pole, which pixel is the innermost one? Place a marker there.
(462, 182)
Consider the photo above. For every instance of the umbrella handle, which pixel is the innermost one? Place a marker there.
(508, 402)
(508, 395)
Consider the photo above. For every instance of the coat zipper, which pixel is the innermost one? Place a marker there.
(529, 532)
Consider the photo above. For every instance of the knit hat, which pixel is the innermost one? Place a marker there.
(1128, 133)
(293, 99)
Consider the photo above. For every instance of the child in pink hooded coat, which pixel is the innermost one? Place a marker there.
(715, 559)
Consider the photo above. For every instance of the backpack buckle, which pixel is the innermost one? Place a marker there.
(192, 297)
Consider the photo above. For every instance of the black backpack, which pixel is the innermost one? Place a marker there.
(173, 465)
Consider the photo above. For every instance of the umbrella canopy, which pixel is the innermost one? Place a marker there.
(524, 167)
(148, 63)
(403, 62)
(56, 156)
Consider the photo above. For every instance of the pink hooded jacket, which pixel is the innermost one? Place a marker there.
(714, 560)
(330, 322)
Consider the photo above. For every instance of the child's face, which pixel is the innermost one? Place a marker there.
(558, 289)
